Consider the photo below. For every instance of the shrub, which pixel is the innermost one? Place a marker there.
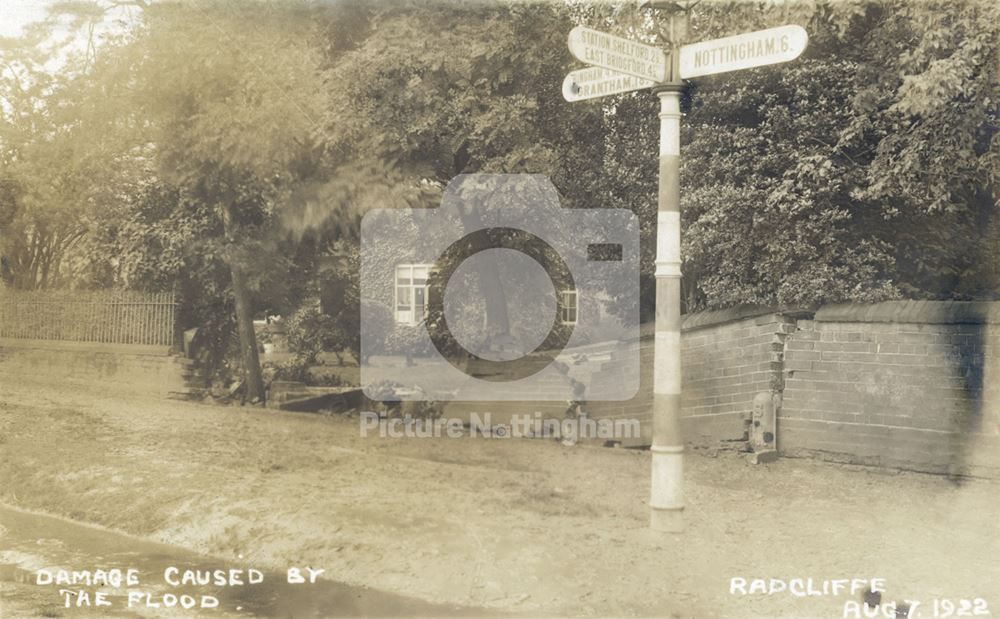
(310, 332)
(295, 369)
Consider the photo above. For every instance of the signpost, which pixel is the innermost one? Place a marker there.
(743, 51)
(596, 82)
(622, 55)
(614, 61)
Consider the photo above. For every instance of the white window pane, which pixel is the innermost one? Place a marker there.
(419, 303)
(404, 274)
(568, 306)
(403, 296)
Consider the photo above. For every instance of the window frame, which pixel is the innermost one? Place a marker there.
(565, 307)
(411, 287)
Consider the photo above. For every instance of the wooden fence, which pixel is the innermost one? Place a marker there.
(113, 317)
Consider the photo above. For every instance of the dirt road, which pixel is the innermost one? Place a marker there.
(523, 525)
(39, 550)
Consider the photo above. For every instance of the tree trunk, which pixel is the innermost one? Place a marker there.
(254, 379)
(490, 286)
(497, 318)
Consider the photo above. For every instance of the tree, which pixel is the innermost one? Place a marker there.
(232, 142)
(851, 174)
(64, 160)
(212, 165)
(483, 96)
(231, 95)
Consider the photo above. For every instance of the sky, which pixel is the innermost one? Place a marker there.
(14, 14)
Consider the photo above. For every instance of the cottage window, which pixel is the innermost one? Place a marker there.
(411, 293)
(568, 307)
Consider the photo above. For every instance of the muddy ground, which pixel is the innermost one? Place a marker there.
(522, 525)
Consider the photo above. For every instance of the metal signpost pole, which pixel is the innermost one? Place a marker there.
(619, 65)
(666, 498)
(666, 493)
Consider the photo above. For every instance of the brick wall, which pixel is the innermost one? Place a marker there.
(906, 384)
(639, 407)
(900, 384)
(728, 357)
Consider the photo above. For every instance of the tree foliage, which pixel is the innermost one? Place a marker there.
(219, 148)
(482, 95)
(864, 170)
(64, 160)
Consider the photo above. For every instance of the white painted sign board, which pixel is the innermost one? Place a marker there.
(621, 55)
(594, 82)
(743, 51)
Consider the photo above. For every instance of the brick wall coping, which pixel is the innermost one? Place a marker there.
(708, 318)
(711, 318)
(914, 312)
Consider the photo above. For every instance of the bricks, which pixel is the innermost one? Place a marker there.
(894, 394)
(855, 388)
